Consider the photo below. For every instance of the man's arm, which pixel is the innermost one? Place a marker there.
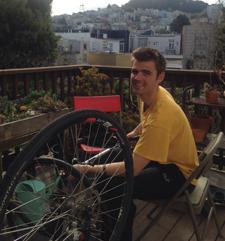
(117, 168)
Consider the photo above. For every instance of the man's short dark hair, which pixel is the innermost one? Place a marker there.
(148, 54)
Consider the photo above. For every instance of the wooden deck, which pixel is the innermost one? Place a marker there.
(174, 225)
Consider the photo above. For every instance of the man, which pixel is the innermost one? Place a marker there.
(165, 154)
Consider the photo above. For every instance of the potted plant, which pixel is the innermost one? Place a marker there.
(91, 82)
(212, 94)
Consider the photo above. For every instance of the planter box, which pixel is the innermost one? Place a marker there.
(17, 132)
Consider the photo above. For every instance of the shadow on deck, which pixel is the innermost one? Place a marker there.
(174, 225)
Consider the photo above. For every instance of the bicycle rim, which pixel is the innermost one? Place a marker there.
(42, 191)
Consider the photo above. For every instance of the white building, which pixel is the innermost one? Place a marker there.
(80, 36)
(82, 40)
(167, 44)
(73, 47)
(106, 45)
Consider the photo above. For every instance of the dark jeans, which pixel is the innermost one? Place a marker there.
(156, 181)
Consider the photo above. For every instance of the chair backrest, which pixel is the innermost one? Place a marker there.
(108, 103)
(206, 156)
(206, 161)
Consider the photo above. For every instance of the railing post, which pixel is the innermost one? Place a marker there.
(26, 85)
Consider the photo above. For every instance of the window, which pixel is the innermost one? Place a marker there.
(171, 43)
(110, 47)
(122, 46)
(142, 42)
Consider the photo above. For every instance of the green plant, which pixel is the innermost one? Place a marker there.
(42, 101)
(33, 96)
(47, 103)
(35, 102)
(7, 109)
(91, 82)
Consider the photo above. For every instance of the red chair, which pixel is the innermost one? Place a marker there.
(108, 103)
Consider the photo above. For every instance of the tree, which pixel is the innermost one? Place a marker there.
(26, 38)
(178, 23)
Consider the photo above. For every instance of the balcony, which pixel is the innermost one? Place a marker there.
(17, 83)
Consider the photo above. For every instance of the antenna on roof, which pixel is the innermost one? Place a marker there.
(82, 7)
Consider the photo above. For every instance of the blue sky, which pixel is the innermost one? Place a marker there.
(73, 6)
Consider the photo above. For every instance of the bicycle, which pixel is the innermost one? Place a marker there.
(43, 197)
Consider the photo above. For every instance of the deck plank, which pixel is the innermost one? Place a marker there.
(141, 220)
(160, 230)
(174, 225)
(212, 234)
(183, 231)
(222, 224)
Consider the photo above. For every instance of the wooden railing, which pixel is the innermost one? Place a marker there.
(16, 83)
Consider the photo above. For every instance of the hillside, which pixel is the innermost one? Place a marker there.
(187, 6)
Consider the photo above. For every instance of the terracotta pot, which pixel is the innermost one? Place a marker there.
(212, 96)
(200, 127)
(199, 135)
(201, 122)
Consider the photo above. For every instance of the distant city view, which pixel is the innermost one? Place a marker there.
(189, 33)
(186, 34)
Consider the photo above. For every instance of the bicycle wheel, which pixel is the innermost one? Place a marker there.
(43, 197)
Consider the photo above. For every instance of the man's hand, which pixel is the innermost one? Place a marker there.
(133, 138)
(131, 134)
(135, 132)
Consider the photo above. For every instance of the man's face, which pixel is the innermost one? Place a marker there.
(144, 78)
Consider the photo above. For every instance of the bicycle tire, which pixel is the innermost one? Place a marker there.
(45, 137)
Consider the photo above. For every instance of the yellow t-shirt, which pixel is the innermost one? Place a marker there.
(166, 135)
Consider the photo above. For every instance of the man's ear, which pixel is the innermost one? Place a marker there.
(161, 77)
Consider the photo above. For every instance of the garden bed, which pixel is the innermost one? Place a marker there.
(17, 132)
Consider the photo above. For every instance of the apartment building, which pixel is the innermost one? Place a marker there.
(198, 45)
